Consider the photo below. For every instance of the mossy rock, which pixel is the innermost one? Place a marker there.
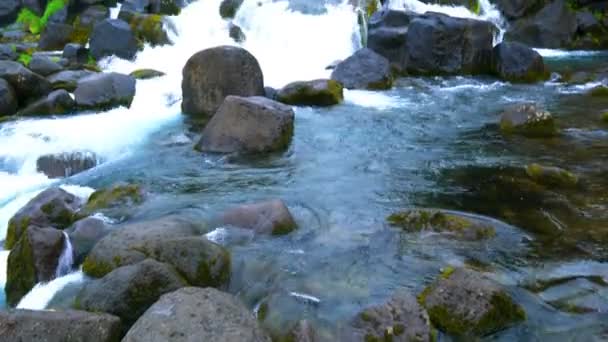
(320, 92)
(604, 117)
(599, 91)
(464, 303)
(527, 120)
(21, 276)
(551, 176)
(145, 74)
(461, 227)
(117, 195)
(148, 28)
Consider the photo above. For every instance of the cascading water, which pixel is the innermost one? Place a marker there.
(41, 295)
(66, 260)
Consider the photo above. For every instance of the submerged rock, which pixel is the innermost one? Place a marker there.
(551, 176)
(27, 85)
(465, 303)
(459, 226)
(33, 259)
(208, 314)
(113, 37)
(8, 99)
(365, 69)
(270, 217)
(118, 195)
(53, 207)
(59, 326)
(320, 92)
(515, 62)
(527, 120)
(250, 125)
(65, 164)
(303, 331)
(84, 234)
(129, 291)
(146, 74)
(211, 75)
(400, 319)
(105, 90)
(55, 103)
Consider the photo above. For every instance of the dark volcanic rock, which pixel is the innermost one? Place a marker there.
(387, 36)
(8, 52)
(84, 234)
(57, 102)
(113, 37)
(320, 92)
(68, 79)
(208, 314)
(270, 217)
(129, 291)
(516, 62)
(27, 85)
(228, 8)
(55, 36)
(211, 75)
(105, 90)
(515, 9)
(119, 195)
(58, 326)
(53, 207)
(236, 33)
(8, 11)
(8, 99)
(248, 124)
(44, 65)
(65, 164)
(33, 259)
(76, 53)
(364, 70)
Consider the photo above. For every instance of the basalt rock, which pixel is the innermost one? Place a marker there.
(119, 195)
(364, 70)
(516, 62)
(56, 102)
(68, 79)
(105, 90)
(44, 65)
(228, 8)
(65, 164)
(113, 37)
(55, 36)
(8, 11)
(27, 85)
(8, 99)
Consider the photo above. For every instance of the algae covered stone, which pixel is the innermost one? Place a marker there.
(319, 92)
(551, 176)
(145, 74)
(460, 226)
(527, 120)
(117, 195)
(466, 303)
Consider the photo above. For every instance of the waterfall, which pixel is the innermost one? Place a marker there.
(41, 295)
(66, 260)
(487, 11)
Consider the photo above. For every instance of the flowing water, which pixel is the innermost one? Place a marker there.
(427, 142)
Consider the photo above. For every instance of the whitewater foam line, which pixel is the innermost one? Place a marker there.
(41, 295)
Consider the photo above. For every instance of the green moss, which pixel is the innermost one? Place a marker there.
(475, 6)
(599, 91)
(551, 176)
(438, 221)
(144, 74)
(604, 117)
(504, 312)
(148, 28)
(447, 272)
(52, 7)
(206, 276)
(448, 322)
(21, 272)
(29, 20)
(302, 93)
(16, 228)
(96, 269)
(371, 7)
(116, 195)
(542, 128)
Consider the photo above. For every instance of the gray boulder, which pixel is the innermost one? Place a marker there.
(128, 291)
(33, 259)
(387, 36)
(43, 65)
(76, 53)
(8, 11)
(250, 125)
(105, 90)
(208, 314)
(58, 326)
(515, 62)
(211, 75)
(113, 37)
(53, 207)
(55, 36)
(68, 79)
(8, 99)
(56, 102)
(8, 52)
(319, 92)
(365, 69)
(84, 234)
(269, 217)
(65, 164)
(27, 85)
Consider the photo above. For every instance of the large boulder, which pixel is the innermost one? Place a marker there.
(211, 75)
(8, 11)
(84, 234)
(58, 326)
(33, 259)
(56, 102)
(65, 164)
(208, 314)
(269, 217)
(465, 303)
(8, 99)
(228, 8)
(105, 90)
(53, 207)
(515, 9)
(387, 36)
(438, 44)
(68, 79)
(553, 27)
(526, 119)
(515, 62)
(27, 85)
(43, 65)
(135, 242)
(319, 92)
(128, 291)
(113, 37)
(118, 196)
(248, 124)
(399, 319)
(55, 36)
(365, 69)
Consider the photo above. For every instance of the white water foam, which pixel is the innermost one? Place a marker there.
(41, 295)
(552, 53)
(3, 263)
(66, 259)
(372, 99)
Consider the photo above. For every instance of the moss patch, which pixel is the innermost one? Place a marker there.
(551, 176)
(438, 221)
(312, 94)
(21, 275)
(16, 228)
(96, 269)
(144, 74)
(114, 196)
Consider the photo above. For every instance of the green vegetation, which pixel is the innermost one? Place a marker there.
(36, 24)
(25, 59)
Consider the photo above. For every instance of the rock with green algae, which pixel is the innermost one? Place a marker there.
(169, 239)
(400, 319)
(118, 195)
(465, 303)
(599, 91)
(145, 74)
(149, 28)
(32, 260)
(604, 117)
(525, 119)
(321, 92)
(460, 226)
(53, 207)
(551, 176)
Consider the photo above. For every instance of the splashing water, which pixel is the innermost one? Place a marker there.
(487, 11)
(66, 260)
(41, 295)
